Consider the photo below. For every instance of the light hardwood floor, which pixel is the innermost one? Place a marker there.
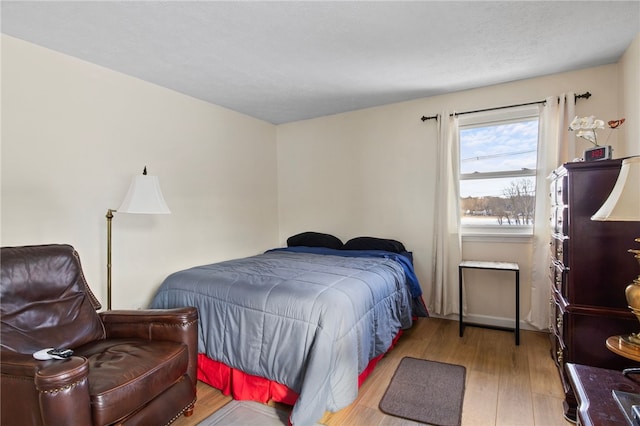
(506, 384)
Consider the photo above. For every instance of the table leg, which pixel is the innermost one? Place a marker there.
(518, 307)
(460, 296)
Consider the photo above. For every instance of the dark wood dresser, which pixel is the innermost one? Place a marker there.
(589, 271)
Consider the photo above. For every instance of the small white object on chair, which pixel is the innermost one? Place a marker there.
(43, 355)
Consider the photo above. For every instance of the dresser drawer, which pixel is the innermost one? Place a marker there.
(558, 277)
(559, 220)
(559, 246)
(561, 192)
(557, 191)
(557, 325)
(590, 329)
(558, 352)
(552, 192)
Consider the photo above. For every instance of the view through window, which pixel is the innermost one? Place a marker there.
(498, 172)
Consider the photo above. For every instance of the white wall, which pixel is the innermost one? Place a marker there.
(372, 172)
(73, 135)
(629, 94)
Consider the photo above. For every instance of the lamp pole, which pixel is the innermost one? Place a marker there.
(109, 217)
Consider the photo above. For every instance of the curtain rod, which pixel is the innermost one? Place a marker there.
(585, 95)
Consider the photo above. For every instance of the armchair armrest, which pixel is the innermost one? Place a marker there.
(175, 325)
(152, 324)
(60, 388)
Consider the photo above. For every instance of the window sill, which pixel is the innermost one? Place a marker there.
(483, 237)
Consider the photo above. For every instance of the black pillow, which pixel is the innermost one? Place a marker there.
(314, 239)
(372, 243)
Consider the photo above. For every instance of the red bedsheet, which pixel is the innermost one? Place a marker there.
(243, 386)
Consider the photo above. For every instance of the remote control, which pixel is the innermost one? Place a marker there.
(60, 353)
(50, 353)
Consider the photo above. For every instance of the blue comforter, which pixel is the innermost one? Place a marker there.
(404, 259)
(307, 320)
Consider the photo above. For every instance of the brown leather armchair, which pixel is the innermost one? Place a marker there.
(135, 367)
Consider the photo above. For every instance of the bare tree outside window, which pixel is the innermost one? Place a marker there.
(520, 199)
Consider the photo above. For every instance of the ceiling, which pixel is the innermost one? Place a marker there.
(293, 60)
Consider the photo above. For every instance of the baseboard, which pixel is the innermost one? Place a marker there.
(489, 320)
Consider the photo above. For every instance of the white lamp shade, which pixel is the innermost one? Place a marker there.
(144, 196)
(623, 203)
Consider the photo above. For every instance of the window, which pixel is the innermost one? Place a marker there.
(498, 152)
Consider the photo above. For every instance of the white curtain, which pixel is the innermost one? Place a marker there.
(556, 146)
(447, 242)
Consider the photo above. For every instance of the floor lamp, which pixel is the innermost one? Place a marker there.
(144, 197)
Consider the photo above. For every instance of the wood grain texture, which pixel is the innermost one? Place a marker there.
(506, 384)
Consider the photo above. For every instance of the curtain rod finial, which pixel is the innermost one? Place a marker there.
(585, 95)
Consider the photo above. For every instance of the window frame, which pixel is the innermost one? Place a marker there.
(492, 118)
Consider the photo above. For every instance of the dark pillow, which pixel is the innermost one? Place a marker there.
(314, 239)
(371, 243)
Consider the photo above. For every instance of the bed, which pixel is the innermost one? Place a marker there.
(302, 325)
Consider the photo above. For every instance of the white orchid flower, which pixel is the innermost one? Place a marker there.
(585, 127)
(587, 122)
(590, 122)
(587, 134)
(575, 124)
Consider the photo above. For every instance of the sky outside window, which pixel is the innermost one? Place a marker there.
(496, 148)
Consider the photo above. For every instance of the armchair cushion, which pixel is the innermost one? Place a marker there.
(113, 363)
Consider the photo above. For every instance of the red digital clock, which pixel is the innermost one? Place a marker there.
(598, 153)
